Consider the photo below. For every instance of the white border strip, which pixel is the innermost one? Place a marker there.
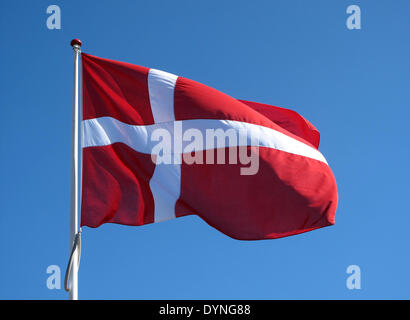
(106, 130)
(161, 87)
(165, 183)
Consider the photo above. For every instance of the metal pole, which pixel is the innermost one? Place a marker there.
(73, 280)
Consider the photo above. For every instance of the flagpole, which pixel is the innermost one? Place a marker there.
(73, 279)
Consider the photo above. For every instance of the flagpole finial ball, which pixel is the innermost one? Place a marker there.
(76, 42)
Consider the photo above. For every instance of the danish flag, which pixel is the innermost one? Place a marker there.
(292, 189)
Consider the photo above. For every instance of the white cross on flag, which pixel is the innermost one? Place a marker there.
(157, 146)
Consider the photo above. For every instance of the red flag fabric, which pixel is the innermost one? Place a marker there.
(157, 146)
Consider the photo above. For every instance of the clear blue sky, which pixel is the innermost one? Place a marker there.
(353, 85)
